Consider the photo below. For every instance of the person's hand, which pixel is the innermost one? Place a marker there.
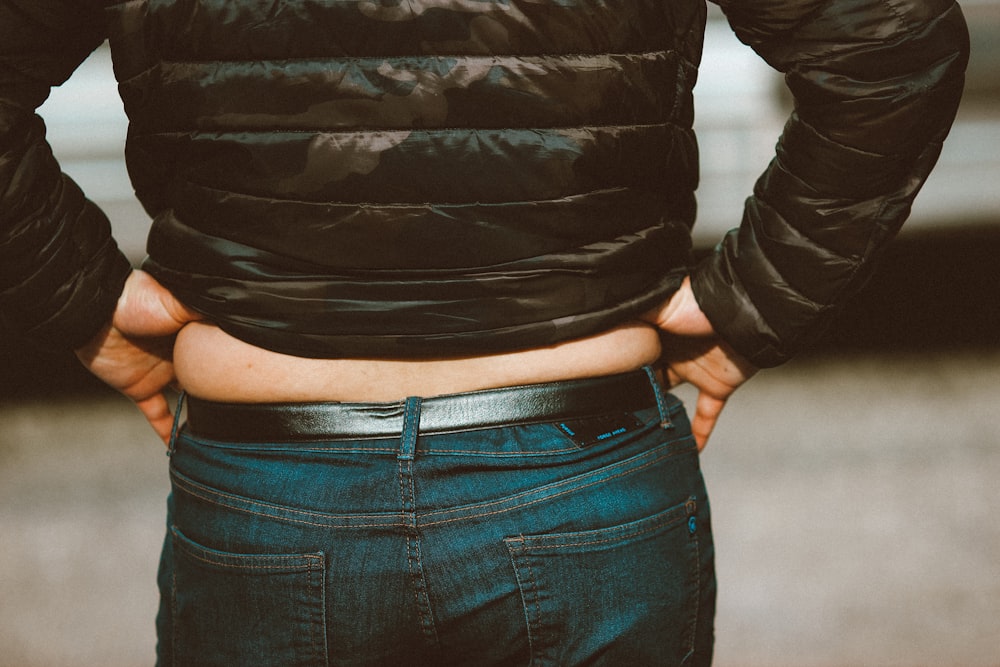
(695, 354)
(134, 352)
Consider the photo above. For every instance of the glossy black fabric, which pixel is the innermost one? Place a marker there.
(376, 178)
(876, 86)
(60, 271)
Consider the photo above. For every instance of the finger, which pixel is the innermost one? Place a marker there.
(706, 415)
(673, 377)
(156, 409)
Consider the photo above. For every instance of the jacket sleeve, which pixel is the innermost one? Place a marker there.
(876, 84)
(60, 271)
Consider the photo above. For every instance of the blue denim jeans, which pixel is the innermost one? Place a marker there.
(541, 544)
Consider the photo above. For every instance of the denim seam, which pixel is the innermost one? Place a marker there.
(380, 450)
(305, 567)
(314, 564)
(476, 452)
(281, 513)
(518, 547)
(215, 497)
(408, 508)
(420, 596)
(318, 642)
(535, 501)
(627, 463)
(205, 555)
(209, 494)
(173, 615)
(697, 599)
(667, 524)
(530, 621)
(305, 445)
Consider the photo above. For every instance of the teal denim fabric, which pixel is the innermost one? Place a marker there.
(573, 543)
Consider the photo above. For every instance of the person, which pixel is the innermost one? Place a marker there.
(423, 271)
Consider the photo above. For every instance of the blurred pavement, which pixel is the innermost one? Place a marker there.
(856, 510)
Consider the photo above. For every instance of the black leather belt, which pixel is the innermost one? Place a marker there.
(534, 403)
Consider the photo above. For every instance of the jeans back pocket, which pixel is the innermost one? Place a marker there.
(251, 610)
(623, 595)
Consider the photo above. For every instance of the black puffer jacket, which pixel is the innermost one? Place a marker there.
(380, 178)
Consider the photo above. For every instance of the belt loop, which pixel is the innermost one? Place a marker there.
(661, 400)
(411, 428)
(177, 422)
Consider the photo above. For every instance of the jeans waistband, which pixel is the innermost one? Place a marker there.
(525, 404)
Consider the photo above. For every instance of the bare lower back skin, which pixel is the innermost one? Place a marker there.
(215, 366)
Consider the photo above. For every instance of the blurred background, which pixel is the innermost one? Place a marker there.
(854, 490)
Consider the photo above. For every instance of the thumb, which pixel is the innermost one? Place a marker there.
(681, 314)
(147, 308)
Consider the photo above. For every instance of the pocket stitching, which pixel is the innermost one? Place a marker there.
(565, 486)
(312, 566)
(519, 547)
(310, 561)
(661, 520)
(278, 512)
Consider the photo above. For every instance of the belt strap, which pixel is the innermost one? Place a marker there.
(525, 404)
